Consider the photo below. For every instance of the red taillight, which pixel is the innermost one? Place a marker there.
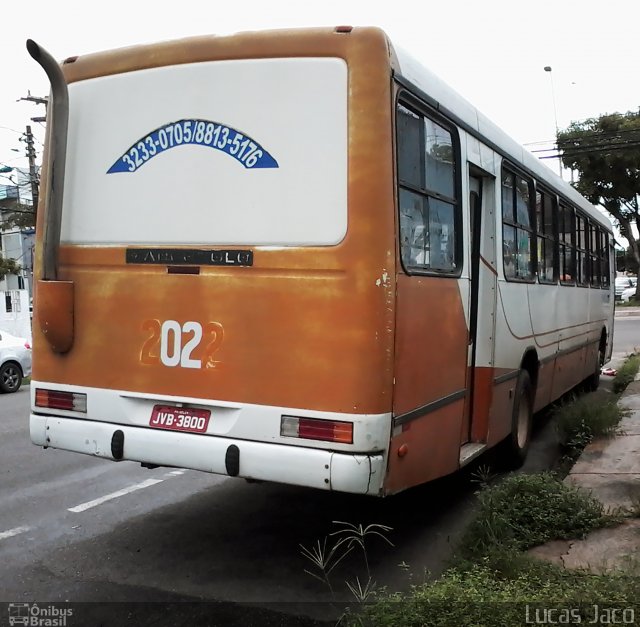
(55, 399)
(316, 429)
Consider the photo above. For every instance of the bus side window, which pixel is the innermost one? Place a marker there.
(604, 258)
(567, 244)
(427, 193)
(545, 232)
(582, 251)
(594, 255)
(517, 232)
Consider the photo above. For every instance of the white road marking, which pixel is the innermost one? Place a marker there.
(175, 473)
(13, 532)
(114, 495)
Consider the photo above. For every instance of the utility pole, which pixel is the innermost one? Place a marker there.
(36, 100)
(31, 151)
(33, 176)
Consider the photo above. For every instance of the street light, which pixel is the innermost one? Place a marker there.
(547, 68)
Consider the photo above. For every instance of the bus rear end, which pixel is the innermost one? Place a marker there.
(223, 289)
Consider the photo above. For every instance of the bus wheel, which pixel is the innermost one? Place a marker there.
(516, 446)
(592, 382)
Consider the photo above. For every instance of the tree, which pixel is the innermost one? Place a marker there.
(8, 266)
(14, 215)
(625, 262)
(17, 215)
(605, 151)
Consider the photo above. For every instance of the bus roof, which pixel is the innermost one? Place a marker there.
(446, 100)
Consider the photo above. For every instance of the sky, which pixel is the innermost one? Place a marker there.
(492, 52)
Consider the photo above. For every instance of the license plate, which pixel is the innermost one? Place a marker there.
(180, 418)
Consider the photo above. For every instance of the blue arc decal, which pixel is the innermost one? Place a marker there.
(241, 147)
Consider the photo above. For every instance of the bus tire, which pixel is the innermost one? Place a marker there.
(592, 382)
(516, 446)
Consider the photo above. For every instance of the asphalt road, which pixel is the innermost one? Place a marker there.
(191, 535)
(75, 528)
(626, 335)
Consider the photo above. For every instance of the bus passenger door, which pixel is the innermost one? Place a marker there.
(482, 304)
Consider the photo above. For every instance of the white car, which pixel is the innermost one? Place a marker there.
(15, 361)
(628, 293)
(622, 283)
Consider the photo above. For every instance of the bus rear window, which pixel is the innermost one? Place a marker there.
(243, 152)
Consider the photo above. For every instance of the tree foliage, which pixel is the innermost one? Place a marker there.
(626, 262)
(17, 215)
(14, 215)
(8, 266)
(605, 151)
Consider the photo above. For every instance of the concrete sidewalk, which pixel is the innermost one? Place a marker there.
(610, 469)
(621, 312)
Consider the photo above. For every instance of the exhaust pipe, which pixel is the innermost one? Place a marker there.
(59, 123)
(54, 298)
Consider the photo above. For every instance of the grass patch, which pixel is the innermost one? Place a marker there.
(480, 595)
(584, 418)
(492, 582)
(526, 510)
(626, 374)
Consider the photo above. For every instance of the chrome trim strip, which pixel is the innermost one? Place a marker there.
(428, 408)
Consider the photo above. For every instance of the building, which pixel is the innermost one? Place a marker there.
(16, 243)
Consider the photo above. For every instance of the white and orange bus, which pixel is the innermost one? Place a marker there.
(298, 256)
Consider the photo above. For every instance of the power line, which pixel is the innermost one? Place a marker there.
(542, 141)
(577, 145)
(598, 134)
(11, 210)
(13, 184)
(595, 140)
(579, 151)
(11, 129)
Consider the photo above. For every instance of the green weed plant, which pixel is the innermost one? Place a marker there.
(481, 596)
(626, 374)
(584, 418)
(325, 556)
(492, 582)
(523, 511)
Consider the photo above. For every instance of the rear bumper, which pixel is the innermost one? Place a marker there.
(310, 467)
